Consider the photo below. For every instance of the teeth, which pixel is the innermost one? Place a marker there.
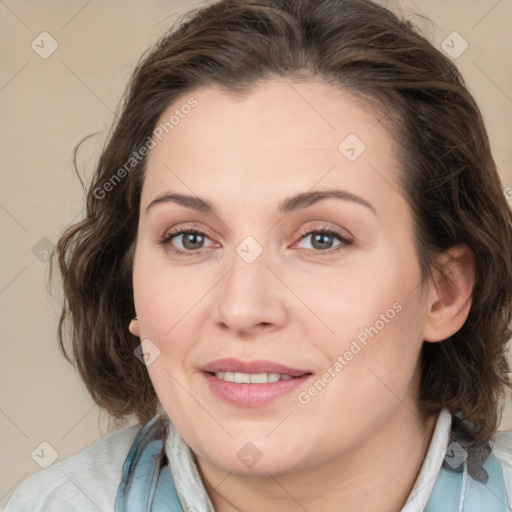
(251, 378)
(261, 378)
(242, 378)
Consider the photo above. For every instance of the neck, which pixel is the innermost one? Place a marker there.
(377, 475)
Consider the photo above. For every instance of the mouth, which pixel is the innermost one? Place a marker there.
(251, 383)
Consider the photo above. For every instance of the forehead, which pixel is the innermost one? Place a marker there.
(280, 138)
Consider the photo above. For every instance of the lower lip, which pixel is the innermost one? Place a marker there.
(252, 395)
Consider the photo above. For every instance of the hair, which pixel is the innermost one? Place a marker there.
(446, 172)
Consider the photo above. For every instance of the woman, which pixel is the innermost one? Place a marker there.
(296, 270)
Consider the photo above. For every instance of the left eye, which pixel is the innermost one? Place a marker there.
(322, 239)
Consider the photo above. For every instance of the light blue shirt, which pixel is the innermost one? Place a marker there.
(90, 480)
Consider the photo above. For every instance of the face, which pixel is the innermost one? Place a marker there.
(273, 280)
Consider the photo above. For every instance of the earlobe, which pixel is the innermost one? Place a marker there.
(450, 296)
(134, 327)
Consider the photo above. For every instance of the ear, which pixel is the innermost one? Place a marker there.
(450, 295)
(134, 327)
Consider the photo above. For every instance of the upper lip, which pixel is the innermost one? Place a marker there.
(259, 366)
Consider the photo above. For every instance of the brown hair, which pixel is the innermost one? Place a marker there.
(447, 175)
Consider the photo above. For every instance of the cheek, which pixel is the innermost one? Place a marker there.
(164, 301)
(383, 371)
(375, 317)
(170, 304)
(370, 301)
(165, 296)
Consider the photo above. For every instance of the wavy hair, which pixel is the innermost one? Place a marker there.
(447, 175)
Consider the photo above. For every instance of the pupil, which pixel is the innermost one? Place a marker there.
(191, 237)
(321, 239)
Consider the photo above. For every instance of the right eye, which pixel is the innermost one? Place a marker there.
(191, 241)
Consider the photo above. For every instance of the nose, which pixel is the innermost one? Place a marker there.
(251, 298)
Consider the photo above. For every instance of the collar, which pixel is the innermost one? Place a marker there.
(424, 484)
(193, 495)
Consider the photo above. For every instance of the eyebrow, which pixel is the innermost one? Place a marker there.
(290, 204)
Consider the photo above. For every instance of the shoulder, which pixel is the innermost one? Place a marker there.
(502, 449)
(86, 481)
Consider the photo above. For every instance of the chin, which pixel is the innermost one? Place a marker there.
(254, 459)
(258, 468)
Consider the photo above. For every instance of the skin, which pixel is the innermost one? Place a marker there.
(358, 444)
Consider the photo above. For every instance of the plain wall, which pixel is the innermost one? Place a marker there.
(49, 104)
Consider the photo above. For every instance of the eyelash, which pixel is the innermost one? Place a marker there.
(325, 230)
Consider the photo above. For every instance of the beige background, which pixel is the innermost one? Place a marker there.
(48, 105)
